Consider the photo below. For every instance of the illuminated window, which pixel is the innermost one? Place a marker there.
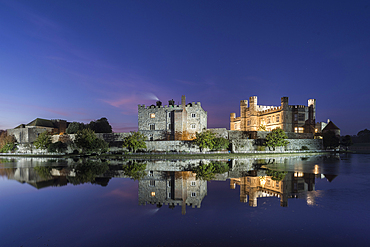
(152, 115)
(273, 119)
(193, 126)
(152, 194)
(152, 126)
(193, 115)
(193, 194)
(152, 183)
(192, 183)
(315, 130)
(298, 129)
(277, 118)
(298, 174)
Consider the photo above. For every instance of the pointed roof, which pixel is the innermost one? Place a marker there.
(331, 126)
(41, 123)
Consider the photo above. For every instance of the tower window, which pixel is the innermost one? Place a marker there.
(152, 115)
(152, 126)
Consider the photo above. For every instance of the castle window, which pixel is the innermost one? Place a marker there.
(170, 126)
(298, 129)
(301, 117)
(169, 183)
(249, 122)
(192, 183)
(169, 194)
(152, 183)
(295, 117)
(152, 115)
(150, 173)
(277, 184)
(192, 126)
(277, 118)
(193, 194)
(152, 194)
(268, 120)
(152, 126)
(193, 115)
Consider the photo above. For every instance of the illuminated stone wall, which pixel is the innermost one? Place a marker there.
(290, 118)
(172, 122)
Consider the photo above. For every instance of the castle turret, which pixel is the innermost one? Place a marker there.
(284, 102)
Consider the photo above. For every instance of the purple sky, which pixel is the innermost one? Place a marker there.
(83, 60)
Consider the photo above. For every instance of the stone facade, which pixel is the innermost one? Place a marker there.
(172, 188)
(172, 122)
(290, 118)
(251, 145)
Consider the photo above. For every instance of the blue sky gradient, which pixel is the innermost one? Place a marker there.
(83, 60)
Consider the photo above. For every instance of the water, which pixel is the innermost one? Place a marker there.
(311, 200)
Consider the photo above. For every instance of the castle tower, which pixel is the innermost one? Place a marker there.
(284, 102)
(253, 114)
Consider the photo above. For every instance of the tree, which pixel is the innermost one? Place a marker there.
(205, 139)
(363, 136)
(134, 170)
(221, 143)
(74, 127)
(276, 139)
(134, 141)
(43, 141)
(89, 143)
(347, 141)
(100, 126)
(208, 171)
(58, 146)
(331, 140)
(7, 142)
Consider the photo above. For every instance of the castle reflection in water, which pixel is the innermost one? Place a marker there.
(174, 184)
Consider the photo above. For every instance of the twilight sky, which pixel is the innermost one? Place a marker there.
(83, 60)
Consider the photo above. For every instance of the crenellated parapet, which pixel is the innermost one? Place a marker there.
(172, 107)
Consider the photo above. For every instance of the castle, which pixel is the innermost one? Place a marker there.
(172, 122)
(290, 118)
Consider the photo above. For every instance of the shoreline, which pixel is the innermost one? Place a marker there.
(172, 155)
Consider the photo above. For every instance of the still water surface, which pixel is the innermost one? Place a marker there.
(275, 201)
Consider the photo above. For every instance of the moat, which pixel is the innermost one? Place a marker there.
(300, 200)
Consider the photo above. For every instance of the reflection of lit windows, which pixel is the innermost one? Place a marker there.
(151, 173)
(193, 194)
(277, 184)
(248, 179)
(152, 126)
(152, 194)
(249, 122)
(152, 115)
(298, 174)
(268, 182)
(193, 115)
(192, 183)
(193, 126)
(152, 183)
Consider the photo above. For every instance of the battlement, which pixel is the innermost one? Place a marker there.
(297, 106)
(193, 104)
(272, 109)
